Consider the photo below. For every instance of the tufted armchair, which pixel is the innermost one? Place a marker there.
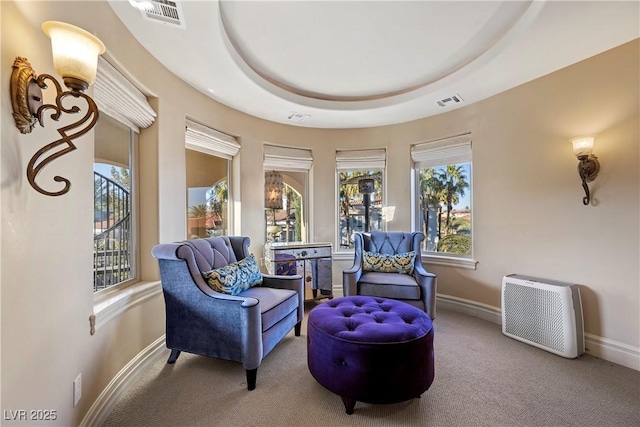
(242, 328)
(417, 288)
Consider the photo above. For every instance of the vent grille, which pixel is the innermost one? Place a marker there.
(454, 99)
(534, 314)
(297, 117)
(164, 11)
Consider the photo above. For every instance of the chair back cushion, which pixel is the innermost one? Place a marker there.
(203, 255)
(209, 253)
(389, 243)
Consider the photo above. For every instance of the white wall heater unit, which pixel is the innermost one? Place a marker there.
(543, 313)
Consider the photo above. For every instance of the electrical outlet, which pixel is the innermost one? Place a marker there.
(77, 390)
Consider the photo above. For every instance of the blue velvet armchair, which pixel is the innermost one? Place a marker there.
(417, 288)
(242, 328)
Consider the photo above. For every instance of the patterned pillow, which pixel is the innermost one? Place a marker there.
(235, 277)
(398, 263)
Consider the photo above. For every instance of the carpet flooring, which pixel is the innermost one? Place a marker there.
(483, 378)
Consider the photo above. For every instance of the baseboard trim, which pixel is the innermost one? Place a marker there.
(602, 348)
(612, 351)
(101, 408)
(472, 308)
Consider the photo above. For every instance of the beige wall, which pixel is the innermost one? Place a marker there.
(528, 213)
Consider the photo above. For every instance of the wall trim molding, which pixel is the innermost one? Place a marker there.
(612, 351)
(104, 404)
(109, 306)
(602, 348)
(476, 309)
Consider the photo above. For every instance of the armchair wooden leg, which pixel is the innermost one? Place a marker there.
(298, 328)
(349, 404)
(174, 356)
(251, 378)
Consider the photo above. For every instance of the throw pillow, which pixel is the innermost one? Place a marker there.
(398, 263)
(235, 277)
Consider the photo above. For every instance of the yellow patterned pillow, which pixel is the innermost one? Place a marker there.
(398, 263)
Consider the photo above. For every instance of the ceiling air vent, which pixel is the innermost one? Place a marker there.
(163, 11)
(297, 117)
(455, 99)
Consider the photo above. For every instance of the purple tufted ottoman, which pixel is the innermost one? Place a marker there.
(370, 349)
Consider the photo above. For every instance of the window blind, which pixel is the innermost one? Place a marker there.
(119, 98)
(210, 141)
(361, 159)
(446, 151)
(285, 158)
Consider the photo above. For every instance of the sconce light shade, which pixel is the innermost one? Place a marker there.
(273, 187)
(582, 146)
(588, 165)
(75, 54)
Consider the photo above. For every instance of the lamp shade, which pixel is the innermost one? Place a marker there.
(582, 146)
(273, 187)
(75, 53)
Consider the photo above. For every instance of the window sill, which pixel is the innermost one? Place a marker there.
(466, 263)
(107, 307)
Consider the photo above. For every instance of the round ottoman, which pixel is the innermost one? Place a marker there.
(370, 349)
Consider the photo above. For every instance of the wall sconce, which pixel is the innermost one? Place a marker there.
(588, 167)
(75, 58)
(273, 188)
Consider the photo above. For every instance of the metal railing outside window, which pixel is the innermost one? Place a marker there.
(112, 233)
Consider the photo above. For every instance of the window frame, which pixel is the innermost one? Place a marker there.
(210, 141)
(374, 159)
(296, 160)
(438, 153)
(120, 99)
(134, 192)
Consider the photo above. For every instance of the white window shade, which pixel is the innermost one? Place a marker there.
(361, 159)
(446, 151)
(284, 158)
(210, 141)
(119, 98)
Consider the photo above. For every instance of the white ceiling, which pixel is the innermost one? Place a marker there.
(350, 64)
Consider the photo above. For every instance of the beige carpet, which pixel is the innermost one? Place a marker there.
(482, 379)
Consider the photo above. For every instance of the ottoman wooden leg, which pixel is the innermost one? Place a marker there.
(349, 404)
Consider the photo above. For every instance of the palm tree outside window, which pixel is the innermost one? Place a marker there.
(355, 216)
(360, 192)
(443, 195)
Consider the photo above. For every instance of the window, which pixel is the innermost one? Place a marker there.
(207, 195)
(123, 111)
(208, 168)
(443, 187)
(112, 214)
(287, 175)
(360, 193)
